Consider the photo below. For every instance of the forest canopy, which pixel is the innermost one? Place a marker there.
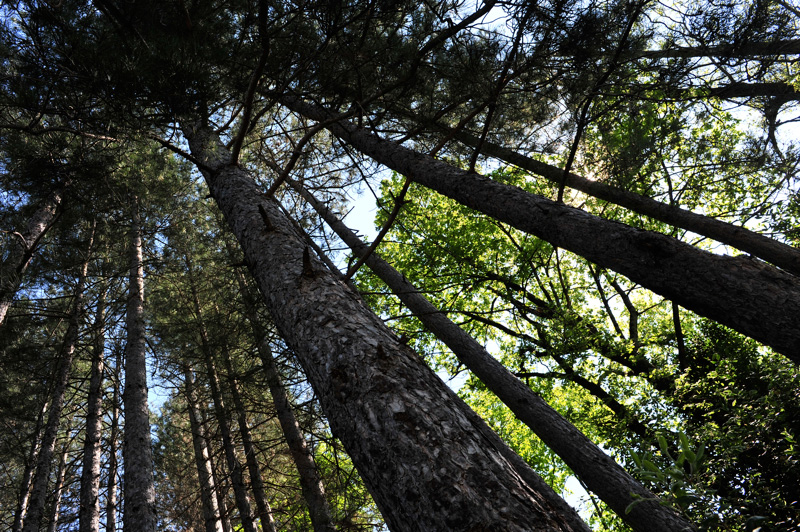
(572, 303)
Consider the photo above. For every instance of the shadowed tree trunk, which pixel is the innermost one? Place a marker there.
(27, 475)
(113, 433)
(595, 468)
(256, 481)
(34, 516)
(89, 511)
(23, 246)
(137, 455)
(205, 474)
(751, 297)
(58, 489)
(429, 461)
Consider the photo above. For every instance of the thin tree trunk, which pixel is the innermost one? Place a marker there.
(23, 246)
(251, 460)
(741, 238)
(599, 471)
(310, 482)
(27, 475)
(211, 516)
(746, 295)
(220, 493)
(137, 455)
(89, 511)
(58, 489)
(429, 461)
(35, 513)
(111, 489)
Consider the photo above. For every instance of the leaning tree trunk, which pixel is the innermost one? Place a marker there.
(428, 460)
(310, 482)
(58, 490)
(139, 513)
(35, 513)
(89, 510)
(744, 294)
(221, 412)
(22, 247)
(596, 469)
(251, 460)
(27, 475)
(113, 433)
(211, 516)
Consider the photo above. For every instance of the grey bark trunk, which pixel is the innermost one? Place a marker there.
(251, 460)
(310, 482)
(746, 295)
(211, 515)
(768, 249)
(429, 461)
(27, 475)
(35, 513)
(137, 455)
(89, 511)
(23, 246)
(58, 489)
(596, 469)
(113, 433)
(221, 412)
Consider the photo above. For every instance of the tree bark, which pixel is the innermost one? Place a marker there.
(137, 455)
(111, 488)
(211, 515)
(768, 249)
(89, 511)
(310, 482)
(58, 489)
(23, 246)
(35, 513)
(251, 460)
(596, 469)
(27, 475)
(429, 461)
(751, 297)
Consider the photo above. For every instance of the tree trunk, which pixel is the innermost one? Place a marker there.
(256, 481)
(89, 511)
(111, 489)
(310, 482)
(58, 489)
(778, 253)
(137, 455)
(35, 513)
(211, 515)
(596, 469)
(23, 246)
(27, 475)
(746, 295)
(429, 461)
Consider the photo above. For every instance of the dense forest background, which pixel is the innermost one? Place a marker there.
(577, 307)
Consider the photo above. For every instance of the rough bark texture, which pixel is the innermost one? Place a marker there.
(744, 294)
(251, 460)
(113, 433)
(38, 499)
(310, 482)
(139, 491)
(22, 247)
(58, 489)
(778, 253)
(429, 461)
(601, 474)
(211, 515)
(27, 476)
(89, 511)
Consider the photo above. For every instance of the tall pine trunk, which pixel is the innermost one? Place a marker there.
(113, 434)
(749, 296)
(310, 482)
(429, 461)
(27, 475)
(58, 489)
(23, 246)
(251, 460)
(89, 510)
(35, 513)
(595, 468)
(211, 515)
(137, 455)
